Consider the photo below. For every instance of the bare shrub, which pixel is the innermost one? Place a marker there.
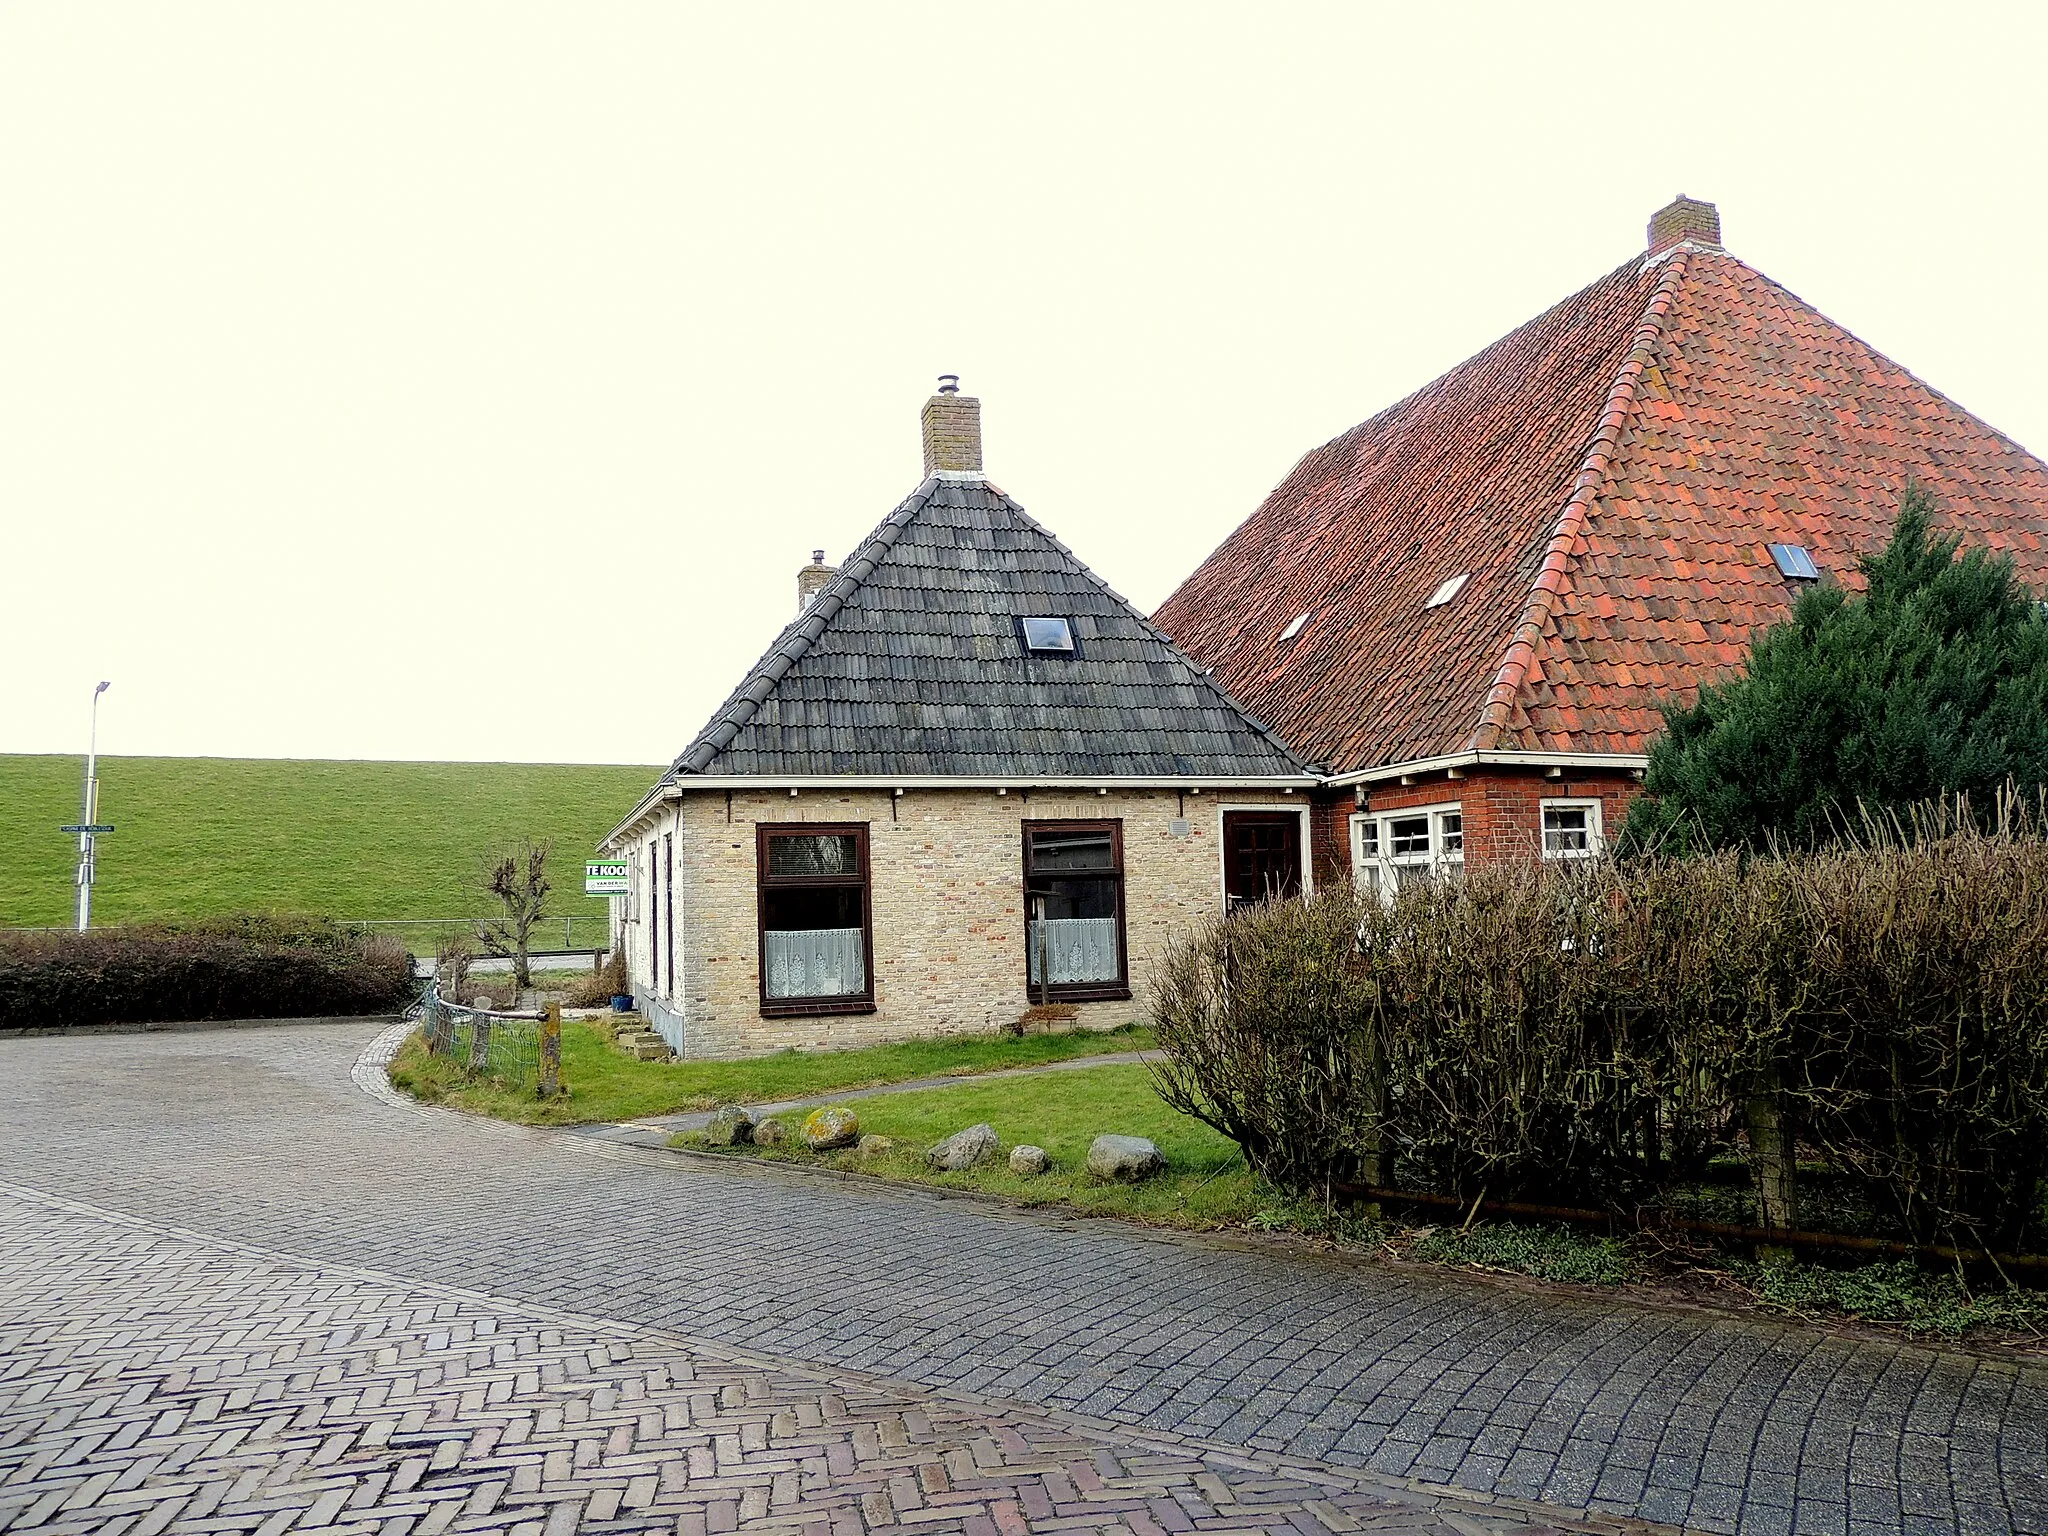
(1596, 1033)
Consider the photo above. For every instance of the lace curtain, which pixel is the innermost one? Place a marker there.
(1077, 949)
(815, 962)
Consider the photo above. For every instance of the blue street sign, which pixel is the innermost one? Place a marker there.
(108, 828)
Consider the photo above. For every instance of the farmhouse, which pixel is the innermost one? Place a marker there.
(968, 781)
(1467, 610)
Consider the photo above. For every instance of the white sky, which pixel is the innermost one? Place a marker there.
(468, 381)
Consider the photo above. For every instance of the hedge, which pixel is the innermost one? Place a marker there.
(241, 967)
(1602, 1033)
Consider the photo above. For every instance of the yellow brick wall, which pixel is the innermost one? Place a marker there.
(948, 912)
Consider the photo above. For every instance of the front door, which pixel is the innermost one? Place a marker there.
(1261, 856)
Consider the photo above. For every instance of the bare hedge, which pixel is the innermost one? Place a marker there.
(1598, 1032)
(237, 967)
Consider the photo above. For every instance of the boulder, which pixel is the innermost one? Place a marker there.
(770, 1133)
(874, 1146)
(729, 1126)
(832, 1126)
(1126, 1158)
(1029, 1161)
(964, 1149)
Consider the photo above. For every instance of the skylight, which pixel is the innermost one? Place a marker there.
(1048, 637)
(1447, 591)
(1794, 563)
(1295, 628)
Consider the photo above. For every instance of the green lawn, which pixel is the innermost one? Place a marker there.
(1206, 1183)
(200, 836)
(606, 1085)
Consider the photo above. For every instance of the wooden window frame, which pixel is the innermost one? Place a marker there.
(1087, 991)
(812, 1007)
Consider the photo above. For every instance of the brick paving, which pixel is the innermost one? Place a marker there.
(1316, 1368)
(159, 1381)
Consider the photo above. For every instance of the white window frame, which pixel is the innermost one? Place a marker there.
(1380, 871)
(1596, 835)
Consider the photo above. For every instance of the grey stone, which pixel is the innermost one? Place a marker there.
(1029, 1161)
(1128, 1158)
(874, 1146)
(831, 1127)
(770, 1133)
(729, 1126)
(964, 1149)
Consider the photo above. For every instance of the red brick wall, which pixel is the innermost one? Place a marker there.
(1501, 806)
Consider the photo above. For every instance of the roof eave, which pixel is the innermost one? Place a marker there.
(1616, 762)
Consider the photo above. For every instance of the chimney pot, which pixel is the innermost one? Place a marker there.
(812, 579)
(1682, 219)
(952, 431)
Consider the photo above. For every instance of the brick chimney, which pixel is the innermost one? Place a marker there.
(812, 579)
(952, 431)
(1682, 219)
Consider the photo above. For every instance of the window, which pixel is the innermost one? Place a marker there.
(1300, 622)
(1794, 563)
(1048, 637)
(1394, 849)
(1074, 910)
(1571, 829)
(1447, 591)
(817, 953)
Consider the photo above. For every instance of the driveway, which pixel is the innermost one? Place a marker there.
(231, 1255)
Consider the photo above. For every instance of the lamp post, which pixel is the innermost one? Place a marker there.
(92, 805)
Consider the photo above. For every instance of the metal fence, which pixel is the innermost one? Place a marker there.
(580, 931)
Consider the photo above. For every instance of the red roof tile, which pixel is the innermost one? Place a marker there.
(1611, 475)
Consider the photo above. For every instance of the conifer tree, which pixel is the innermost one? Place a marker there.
(1933, 681)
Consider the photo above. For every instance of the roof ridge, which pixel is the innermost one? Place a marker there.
(798, 636)
(1200, 674)
(1593, 468)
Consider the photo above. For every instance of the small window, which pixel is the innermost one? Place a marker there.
(816, 948)
(1571, 829)
(1300, 620)
(1794, 563)
(1048, 637)
(1447, 591)
(1074, 910)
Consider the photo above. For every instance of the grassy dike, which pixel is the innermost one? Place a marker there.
(202, 836)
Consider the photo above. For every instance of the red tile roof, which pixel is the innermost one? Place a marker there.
(1611, 475)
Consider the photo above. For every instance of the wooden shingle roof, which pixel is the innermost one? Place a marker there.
(909, 663)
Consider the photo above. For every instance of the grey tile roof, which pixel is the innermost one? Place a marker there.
(908, 663)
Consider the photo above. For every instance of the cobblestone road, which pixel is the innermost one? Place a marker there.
(1087, 1337)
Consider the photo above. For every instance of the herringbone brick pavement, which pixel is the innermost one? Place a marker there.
(154, 1381)
(1743, 1427)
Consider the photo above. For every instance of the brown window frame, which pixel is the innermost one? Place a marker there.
(1085, 991)
(812, 1007)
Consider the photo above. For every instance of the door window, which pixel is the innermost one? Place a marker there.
(1261, 856)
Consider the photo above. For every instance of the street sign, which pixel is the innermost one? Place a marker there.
(604, 877)
(94, 829)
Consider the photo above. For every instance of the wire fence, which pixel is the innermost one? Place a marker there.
(508, 1048)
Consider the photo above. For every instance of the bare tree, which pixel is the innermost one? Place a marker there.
(518, 878)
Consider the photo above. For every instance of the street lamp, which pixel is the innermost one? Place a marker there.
(92, 805)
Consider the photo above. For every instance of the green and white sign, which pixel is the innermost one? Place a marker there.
(604, 877)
